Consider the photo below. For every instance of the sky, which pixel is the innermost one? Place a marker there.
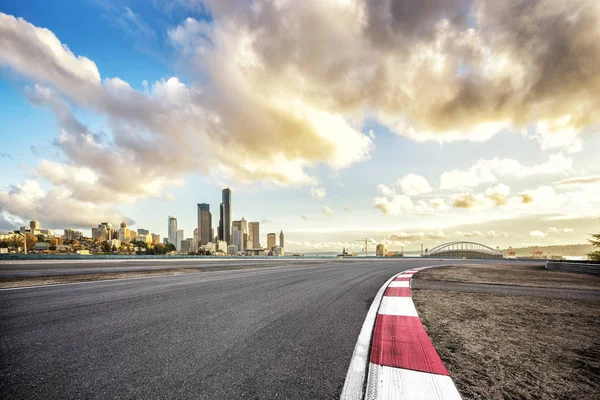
(402, 122)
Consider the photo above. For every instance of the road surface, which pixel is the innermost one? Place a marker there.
(282, 332)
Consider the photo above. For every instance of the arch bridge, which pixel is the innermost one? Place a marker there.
(463, 249)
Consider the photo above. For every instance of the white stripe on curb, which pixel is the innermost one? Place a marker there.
(399, 284)
(398, 383)
(402, 306)
(357, 371)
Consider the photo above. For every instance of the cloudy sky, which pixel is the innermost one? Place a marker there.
(404, 121)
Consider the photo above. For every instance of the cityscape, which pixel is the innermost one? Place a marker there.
(231, 238)
(284, 199)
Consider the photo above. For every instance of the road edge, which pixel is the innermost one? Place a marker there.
(384, 379)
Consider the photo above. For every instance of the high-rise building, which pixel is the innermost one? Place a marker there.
(172, 229)
(123, 234)
(155, 239)
(187, 245)
(220, 228)
(238, 238)
(178, 238)
(254, 234)
(204, 224)
(271, 240)
(225, 223)
(281, 239)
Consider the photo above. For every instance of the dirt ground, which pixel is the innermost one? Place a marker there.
(513, 274)
(514, 347)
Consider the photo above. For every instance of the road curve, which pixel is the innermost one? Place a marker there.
(282, 332)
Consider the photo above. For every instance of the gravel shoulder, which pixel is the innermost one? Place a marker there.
(505, 346)
(512, 274)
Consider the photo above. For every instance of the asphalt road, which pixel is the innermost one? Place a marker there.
(280, 332)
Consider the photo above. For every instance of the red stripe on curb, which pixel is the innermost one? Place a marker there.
(402, 278)
(402, 342)
(397, 292)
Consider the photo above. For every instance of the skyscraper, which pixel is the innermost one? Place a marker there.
(225, 223)
(254, 234)
(172, 229)
(281, 239)
(204, 224)
(271, 240)
(179, 238)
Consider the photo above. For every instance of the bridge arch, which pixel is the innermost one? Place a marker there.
(463, 249)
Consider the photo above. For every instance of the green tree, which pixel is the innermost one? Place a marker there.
(595, 241)
(106, 247)
(114, 248)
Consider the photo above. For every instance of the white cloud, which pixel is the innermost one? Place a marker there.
(318, 193)
(537, 233)
(488, 171)
(413, 185)
(328, 211)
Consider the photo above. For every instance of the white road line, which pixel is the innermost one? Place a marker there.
(387, 383)
(402, 306)
(357, 371)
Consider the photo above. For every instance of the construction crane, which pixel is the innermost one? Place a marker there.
(366, 245)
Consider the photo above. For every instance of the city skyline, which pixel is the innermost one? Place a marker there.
(477, 144)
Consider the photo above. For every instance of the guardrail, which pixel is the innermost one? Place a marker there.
(582, 267)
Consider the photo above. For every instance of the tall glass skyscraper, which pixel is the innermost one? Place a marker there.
(225, 223)
(172, 229)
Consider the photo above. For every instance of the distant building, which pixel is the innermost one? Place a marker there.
(205, 230)
(70, 234)
(281, 241)
(103, 232)
(254, 234)
(210, 246)
(115, 242)
(225, 222)
(172, 229)
(278, 251)
(238, 239)
(186, 245)
(123, 234)
(155, 239)
(42, 246)
(232, 249)
(143, 232)
(380, 250)
(195, 240)
(271, 241)
(34, 225)
(165, 241)
(144, 238)
(178, 239)
(222, 246)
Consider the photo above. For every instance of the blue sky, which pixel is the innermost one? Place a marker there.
(214, 92)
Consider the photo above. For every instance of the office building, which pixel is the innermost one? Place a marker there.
(238, 239)
(186, 245)
(178, 239)
(155, 239)
(123, 233)
(281, 239)
(271, 241)
(71, 234)
(172, 229)
(205, 230)
(225, 211)
(380, 250)
(34, 225)
(254, 234)
(143, 232)
(232, 250)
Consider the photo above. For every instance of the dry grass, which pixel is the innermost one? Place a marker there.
(513, 274)
(515, 347)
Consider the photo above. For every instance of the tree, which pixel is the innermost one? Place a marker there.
(31, 241)
(114, 248)
(595, 241)
(106, 247)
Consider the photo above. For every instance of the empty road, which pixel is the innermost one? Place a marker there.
(281, 332)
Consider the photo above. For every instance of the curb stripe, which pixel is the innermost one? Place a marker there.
(396, 283)
(387, 383)
(401, 342)
(402, 306)
(397, 292)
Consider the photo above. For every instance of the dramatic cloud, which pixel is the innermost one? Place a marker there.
(55, 207)
(318, 193)
(488, 171)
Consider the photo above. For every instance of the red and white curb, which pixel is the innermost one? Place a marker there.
(402, 362)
